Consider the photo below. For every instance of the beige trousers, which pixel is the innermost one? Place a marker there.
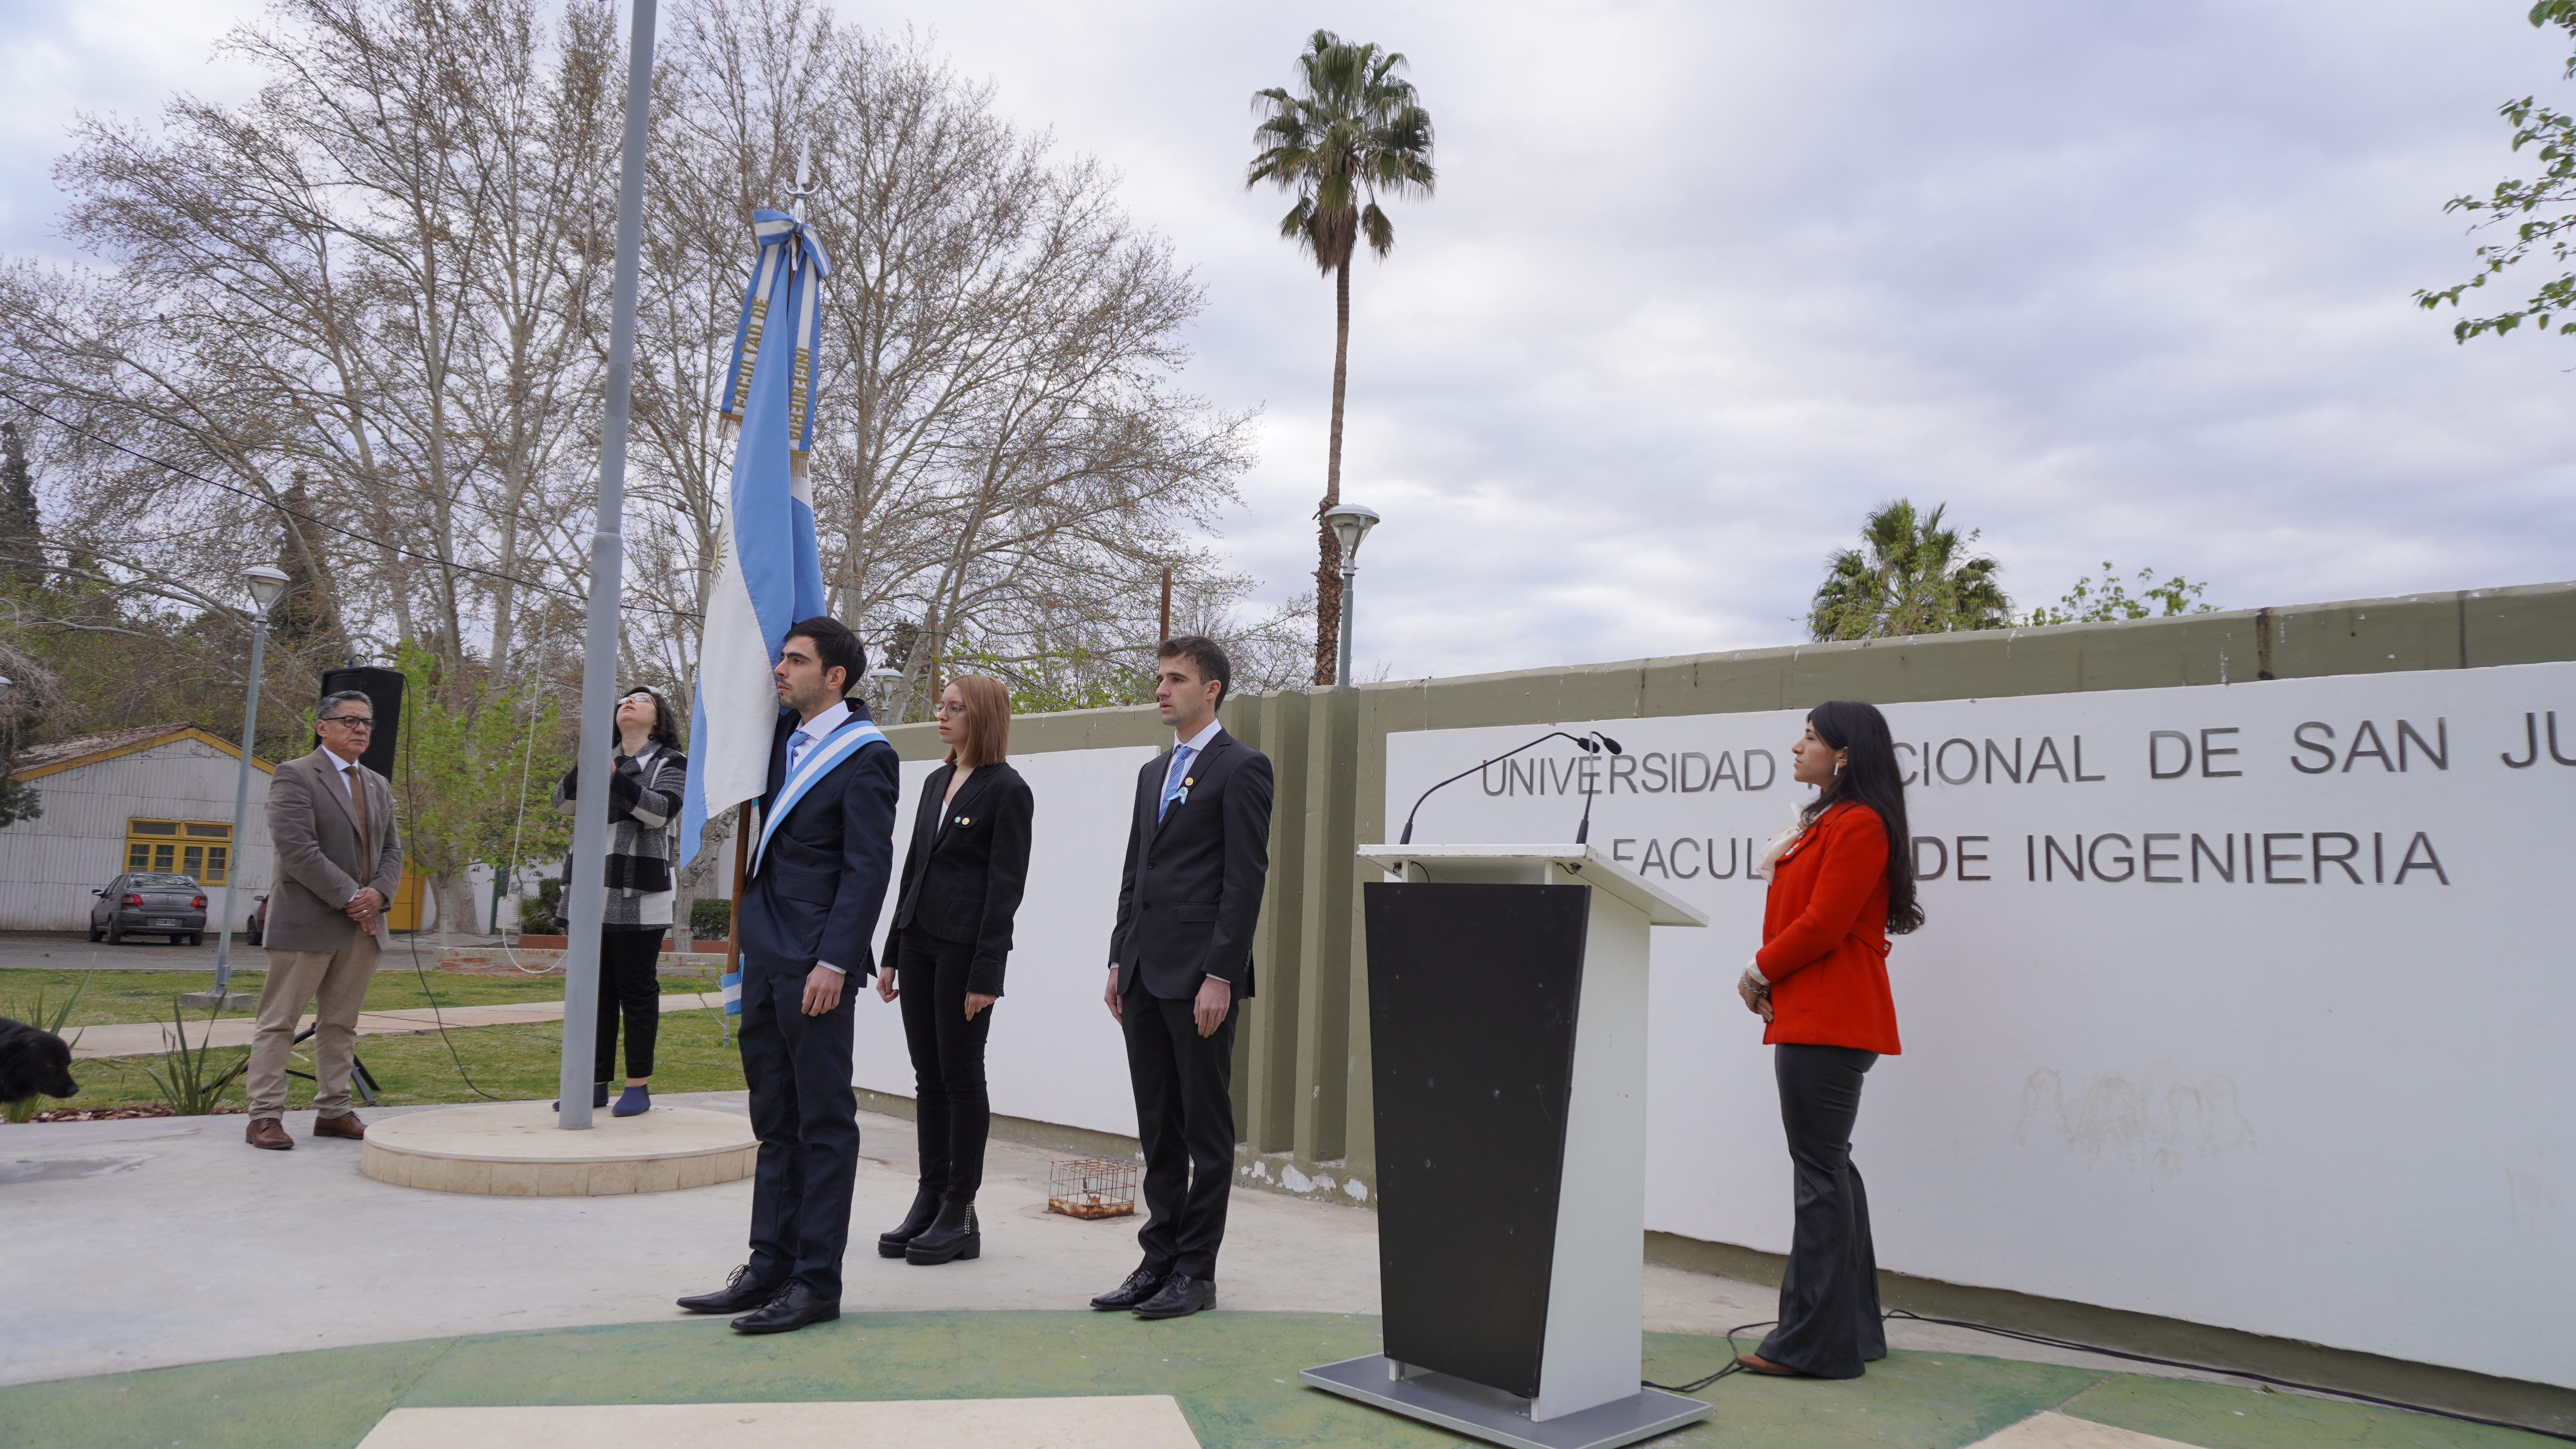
(337, 982)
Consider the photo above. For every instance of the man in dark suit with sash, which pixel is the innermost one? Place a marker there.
(1180, 964)
(817, 877)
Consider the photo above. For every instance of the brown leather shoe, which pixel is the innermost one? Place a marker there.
(268, 1132)
(345, 1125)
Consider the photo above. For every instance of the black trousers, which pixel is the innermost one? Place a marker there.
(954, 1112)
(630, 986)
(1184, 1085)
(1829, 1323)
(807, 1119)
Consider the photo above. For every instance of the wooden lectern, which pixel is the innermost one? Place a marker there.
(1507, 1027)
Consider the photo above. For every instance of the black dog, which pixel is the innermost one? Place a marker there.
(33, 1060)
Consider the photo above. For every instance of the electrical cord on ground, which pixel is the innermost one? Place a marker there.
(1732, 1365)
(2045, 1341)
(435, 1015)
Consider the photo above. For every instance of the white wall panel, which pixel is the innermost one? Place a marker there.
(1054, 1054)
(2325, 1102)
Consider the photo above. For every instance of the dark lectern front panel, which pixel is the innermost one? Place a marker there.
(1472, 997)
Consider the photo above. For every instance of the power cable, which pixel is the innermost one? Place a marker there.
(411, 787)
(1734, 1366)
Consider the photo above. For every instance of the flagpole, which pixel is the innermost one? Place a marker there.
(586, 888)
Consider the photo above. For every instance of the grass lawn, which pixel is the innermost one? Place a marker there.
(123, 996)
(509, 1062)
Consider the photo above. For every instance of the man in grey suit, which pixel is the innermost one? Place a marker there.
(339, 861)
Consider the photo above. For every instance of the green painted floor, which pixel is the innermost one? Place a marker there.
(1233, 1373)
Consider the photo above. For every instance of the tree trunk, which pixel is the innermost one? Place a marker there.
(1328, 547)
(700, 876)
(453, 896)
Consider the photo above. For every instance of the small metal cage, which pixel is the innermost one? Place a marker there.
(1092, 1187)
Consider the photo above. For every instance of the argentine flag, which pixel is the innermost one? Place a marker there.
(769, 571)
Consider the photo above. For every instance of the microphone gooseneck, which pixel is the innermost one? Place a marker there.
(1585, 745)
(1583, 828)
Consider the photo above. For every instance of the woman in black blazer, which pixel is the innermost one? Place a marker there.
(961, 886)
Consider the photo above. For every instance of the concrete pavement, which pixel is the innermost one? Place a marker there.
(167, 1241)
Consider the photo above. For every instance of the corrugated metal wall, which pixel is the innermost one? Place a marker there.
(49, 866)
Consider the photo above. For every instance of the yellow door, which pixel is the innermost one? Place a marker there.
(404, 913)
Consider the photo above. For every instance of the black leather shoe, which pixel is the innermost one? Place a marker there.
(1181, 1296)
(925, 1208)
(1140, 1285)
(955, 1235)
(739, 1295)
(792, 1309)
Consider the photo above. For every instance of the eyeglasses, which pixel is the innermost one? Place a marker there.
(353, 721)
(945, 708)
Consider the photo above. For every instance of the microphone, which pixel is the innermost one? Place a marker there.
(1583, 831)
(1585, 745)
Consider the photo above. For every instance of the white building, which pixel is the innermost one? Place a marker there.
(155, 797)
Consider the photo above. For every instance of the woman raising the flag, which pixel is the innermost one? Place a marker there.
(645, 785)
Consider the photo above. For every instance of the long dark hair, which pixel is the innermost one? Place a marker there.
(1870, 777)
(666, 730)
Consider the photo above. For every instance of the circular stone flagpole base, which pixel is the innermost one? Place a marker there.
(514, 1149)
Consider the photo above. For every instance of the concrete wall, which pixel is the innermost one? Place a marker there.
(1302, 1071)
(48, 866)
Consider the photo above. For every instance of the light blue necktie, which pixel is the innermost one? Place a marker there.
(1173, 783)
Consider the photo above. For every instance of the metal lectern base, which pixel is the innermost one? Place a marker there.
(1498, 1417)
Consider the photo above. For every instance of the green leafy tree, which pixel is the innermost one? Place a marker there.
(1069, 676)
(2091, 603)
(2542, 210)
(475, 775)
(23, 699)
(1909, 576)
(1351, 132)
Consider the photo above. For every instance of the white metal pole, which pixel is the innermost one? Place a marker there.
(586, 889)
(241, 794)
(1342, 675)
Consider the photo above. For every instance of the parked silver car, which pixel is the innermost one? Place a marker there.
(152, 903)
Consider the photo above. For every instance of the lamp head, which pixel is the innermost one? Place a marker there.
(266, 584)
(1350, 523)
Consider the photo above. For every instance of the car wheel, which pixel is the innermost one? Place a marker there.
(93, 931)
(195, 938)
(115, 936)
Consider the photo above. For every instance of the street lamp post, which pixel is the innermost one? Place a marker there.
(266, 585)
(1350, 523)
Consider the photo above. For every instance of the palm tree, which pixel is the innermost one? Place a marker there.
(1911, 577)
(1350, 133)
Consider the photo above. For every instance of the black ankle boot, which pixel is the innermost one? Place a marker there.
(925, 1208)
(954, 1235)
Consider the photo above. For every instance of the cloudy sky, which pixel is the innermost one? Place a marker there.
(1703, 283)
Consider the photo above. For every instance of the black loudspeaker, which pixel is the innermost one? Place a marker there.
(385, 688)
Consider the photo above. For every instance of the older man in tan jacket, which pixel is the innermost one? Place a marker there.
(339, 861)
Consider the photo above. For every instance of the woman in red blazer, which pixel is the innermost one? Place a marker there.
(1841, 882)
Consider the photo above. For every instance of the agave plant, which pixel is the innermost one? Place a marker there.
(26, 1111)
(188, 1089)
